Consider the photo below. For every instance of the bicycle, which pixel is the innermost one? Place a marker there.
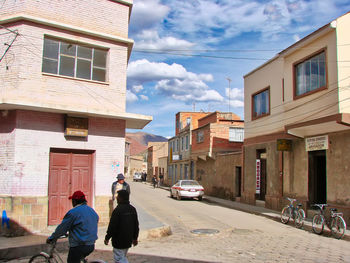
(54, 257)
(294, 212)
(335, 222)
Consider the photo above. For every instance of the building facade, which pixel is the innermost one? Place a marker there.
(180, 164)
(62, 106)
(216, 154)
(156, 150)
(297, 123)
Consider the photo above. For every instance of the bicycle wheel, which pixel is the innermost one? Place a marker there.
(285, 215)
(299, 218)
(317, 224)
(338, 227)
(39, 259)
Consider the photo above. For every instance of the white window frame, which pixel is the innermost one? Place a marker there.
(236, 134)
(76, 58)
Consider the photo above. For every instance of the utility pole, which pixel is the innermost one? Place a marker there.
(229, 93)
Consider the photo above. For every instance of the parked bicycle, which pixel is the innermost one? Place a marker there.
(335, 222)
(294, 212)
(54, 257)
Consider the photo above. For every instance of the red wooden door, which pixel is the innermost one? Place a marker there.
(69, 171)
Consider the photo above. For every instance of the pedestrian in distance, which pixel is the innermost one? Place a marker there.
(123, 228)
(161, 179)
(81, 223)
(154, 181)
(118, 185)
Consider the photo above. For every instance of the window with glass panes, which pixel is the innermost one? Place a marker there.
(310, 74)
(261, 103)
(236, 134)
(74, 60)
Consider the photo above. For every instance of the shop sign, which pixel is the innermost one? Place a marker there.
(258, 176)
(76, 126)
(176, 157)
(316, 143)
(284, 145)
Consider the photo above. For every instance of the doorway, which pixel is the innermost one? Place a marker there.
(238, 181)
(317, 177)
(261, 155)
(70, 170)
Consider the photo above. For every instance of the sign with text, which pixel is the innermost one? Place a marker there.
(316, 143)
(76, 126)
(258, 176)
(284, 145)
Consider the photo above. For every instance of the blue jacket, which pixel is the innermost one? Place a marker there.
(81, 223)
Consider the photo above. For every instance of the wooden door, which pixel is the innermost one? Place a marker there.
(69, 171)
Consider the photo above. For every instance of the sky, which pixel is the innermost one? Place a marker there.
(191, 55)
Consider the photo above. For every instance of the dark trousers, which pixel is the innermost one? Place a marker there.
(76, 254)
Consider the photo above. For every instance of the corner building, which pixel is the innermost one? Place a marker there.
(297, 123)
(62, 106)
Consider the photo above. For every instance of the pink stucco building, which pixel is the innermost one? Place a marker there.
(62, 106)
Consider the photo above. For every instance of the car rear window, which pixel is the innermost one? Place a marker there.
(189, 183)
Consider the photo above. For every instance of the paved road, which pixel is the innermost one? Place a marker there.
(242, 237)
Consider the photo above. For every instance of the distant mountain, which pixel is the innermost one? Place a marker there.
(139, 140)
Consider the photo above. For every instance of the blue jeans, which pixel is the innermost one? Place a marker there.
(120, 255)
(78, 253)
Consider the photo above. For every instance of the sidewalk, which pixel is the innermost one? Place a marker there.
(262, 211)
(23, 246)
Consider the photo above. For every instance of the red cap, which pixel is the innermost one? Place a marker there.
(78, 195)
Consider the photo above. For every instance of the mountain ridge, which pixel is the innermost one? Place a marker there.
(139, 140)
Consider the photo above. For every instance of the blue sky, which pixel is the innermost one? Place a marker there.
(185, 51)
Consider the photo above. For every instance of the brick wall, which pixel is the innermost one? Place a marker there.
(22, 76)
(182, 117)
(103, 16)
(35, 134)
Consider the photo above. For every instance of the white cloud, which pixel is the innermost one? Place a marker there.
(143, 97)
(173, 81)
(150, 40)
(137, 88)
(147, 14)
(234, 93)
(130, 97)
(213, 21)
(146, 71)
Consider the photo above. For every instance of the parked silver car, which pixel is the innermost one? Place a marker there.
(187, 189)
(137, 177)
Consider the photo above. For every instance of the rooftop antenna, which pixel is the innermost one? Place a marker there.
(229, 93)
(194, 106)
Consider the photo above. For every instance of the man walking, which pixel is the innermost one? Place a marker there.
(81, 223)
(118, 185)
(123, 227)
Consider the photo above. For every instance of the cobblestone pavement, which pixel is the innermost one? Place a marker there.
(242, 237)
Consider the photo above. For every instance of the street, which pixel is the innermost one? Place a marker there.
(242, 237)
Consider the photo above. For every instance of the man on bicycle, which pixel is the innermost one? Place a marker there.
(81, 223)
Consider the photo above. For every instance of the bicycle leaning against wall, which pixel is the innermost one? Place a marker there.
(335, 222)
(294, 212)
(54, 257)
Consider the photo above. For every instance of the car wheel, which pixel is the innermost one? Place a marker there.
(178, 197)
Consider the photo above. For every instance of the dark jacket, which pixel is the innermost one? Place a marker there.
(126, 187)
(123, 226)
